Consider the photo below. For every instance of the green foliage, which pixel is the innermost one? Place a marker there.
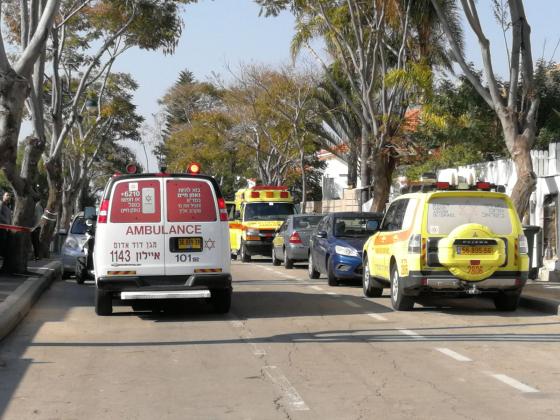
(547, 79)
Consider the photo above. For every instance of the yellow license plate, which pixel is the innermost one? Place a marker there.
(474, 250)
(189, 244)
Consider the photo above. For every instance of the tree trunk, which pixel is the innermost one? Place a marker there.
(526, 178)
(49, 222)
(303, 181)
(364, 169)
(352, 161)
(383, 168)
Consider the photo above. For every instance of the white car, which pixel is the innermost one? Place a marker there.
(72, 248)
(162, 236)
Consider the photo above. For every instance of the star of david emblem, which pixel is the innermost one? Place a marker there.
(210, 244)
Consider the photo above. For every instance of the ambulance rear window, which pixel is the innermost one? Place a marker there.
(136, 201)
(190, 200)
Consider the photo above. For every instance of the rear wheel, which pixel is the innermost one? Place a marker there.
(313, 274)
(245, 257)
(103, 302)
(399, 301)
(288, 262)
(367, 285)
(333, 281)
(275, 261)
(221, 300)
(507, 301)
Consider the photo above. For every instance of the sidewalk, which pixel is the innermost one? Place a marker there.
(19, 293)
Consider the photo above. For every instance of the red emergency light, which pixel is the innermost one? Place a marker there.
(131, 168)
(193, 168)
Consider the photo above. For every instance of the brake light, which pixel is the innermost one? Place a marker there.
(523, 245)
(483, 186)
(223, 209)
(295, 238)
(103, 211)
(284, 194)
(442, 185)
(255, 194)
(415, 244)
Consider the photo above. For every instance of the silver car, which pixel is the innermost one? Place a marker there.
(291, 242)
(75, 240)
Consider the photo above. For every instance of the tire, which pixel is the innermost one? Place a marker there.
(233, 256)
(103, 303)
(333, 281)
(399, 301)
(369, 290)
(313, 274)
(245, 257)
(275, 261)
(221, 300)
(288, 262)
(80, 273)
(507, 302)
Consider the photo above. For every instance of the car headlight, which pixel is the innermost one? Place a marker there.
(252, 232)
(343, 250)
(71, 243)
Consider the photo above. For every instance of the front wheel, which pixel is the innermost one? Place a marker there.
(275, 261)
(331, 277)
(245, 257)
(313, 274)
(103, 302)
(399, 301)
(221, 300)
(288, 262)
(507, 301)
(367, 282)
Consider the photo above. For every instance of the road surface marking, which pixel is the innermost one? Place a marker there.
(316, 288)
(378, 317)
(351, 303)
(552, 287)
(331, 293)
(514, 383)
(290, 394)
(412, 334)
(453, 354)
(246, 335)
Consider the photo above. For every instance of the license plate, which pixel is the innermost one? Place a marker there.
(189, 244)
(474, 250)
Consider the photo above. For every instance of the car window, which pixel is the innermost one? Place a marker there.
(400, 212)
(136, 201)
(79, 226)
(231, 211)
(268, 211)
(389, 221)
(354, 226)
(190, 201)
(306, 222)
(446, 213)
(409, 214)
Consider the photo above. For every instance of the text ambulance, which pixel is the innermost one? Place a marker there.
(260, 211)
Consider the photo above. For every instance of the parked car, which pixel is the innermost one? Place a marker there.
(72, 246)
(336, 245)
(291, 242)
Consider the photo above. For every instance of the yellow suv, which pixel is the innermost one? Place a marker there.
(448, 242)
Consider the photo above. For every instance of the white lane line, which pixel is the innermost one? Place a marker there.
(351, 303)
(412, 334)
(514, 383)
(378, 317)
(453, 354)
(316, 288)
(289, 393)
(332, 293)
(246, 335)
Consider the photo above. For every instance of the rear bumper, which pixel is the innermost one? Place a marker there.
(164, 283)
(417, 283)
(298, 252)
(259, 247)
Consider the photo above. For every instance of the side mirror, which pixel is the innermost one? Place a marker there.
(372, 225)
(321, 234)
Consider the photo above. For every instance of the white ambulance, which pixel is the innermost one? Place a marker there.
(162, 236)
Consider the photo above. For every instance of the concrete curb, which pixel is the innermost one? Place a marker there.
(548, 306)
(17, 305)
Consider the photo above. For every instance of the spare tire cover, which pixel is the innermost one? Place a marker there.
(476, 262)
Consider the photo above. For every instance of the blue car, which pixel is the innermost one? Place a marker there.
(336, 245)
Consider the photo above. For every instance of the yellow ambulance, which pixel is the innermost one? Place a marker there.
(259, 212)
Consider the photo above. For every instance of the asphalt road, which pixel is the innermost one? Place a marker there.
(290, 348)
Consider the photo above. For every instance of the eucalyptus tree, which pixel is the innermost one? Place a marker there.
(516, 104)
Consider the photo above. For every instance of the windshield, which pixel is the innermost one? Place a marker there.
(355, 227)
(79, 226)
(446, 213)
(306, 222)
(268, 211)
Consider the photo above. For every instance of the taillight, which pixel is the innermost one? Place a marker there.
(103, 211)
(523, 245)
(295, 238)
(223, 209)
(483, 186)
(415, 244)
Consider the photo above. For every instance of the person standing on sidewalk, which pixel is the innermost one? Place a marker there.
(36, 232)
(5, 219)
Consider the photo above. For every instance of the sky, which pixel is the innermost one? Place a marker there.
(218, 33)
